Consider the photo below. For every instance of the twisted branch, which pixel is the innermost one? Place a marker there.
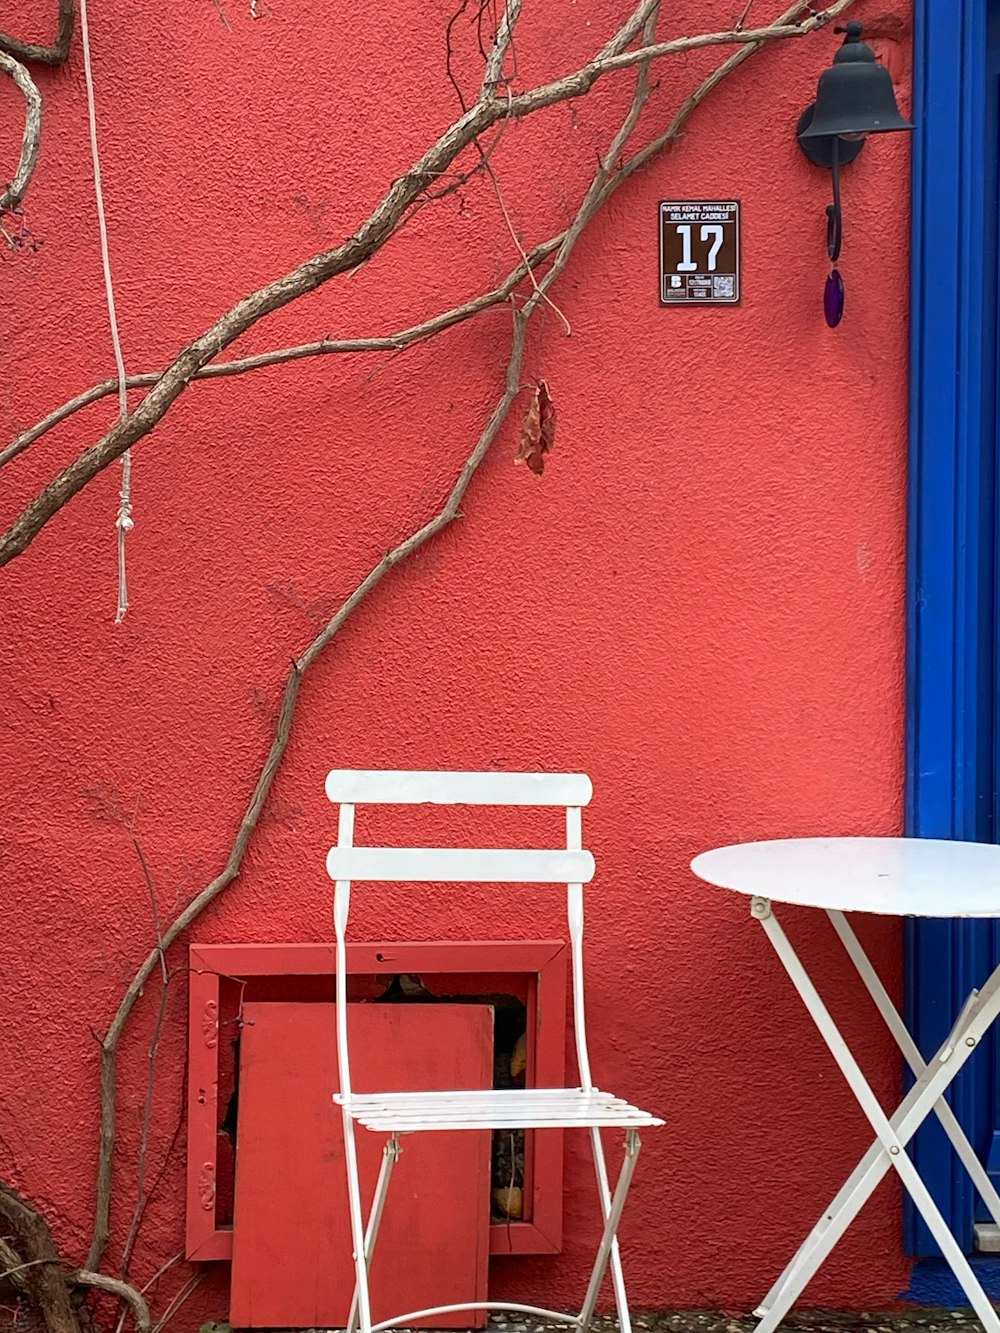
(32, 137)
(56, 54)
(13, 1266)
(40, 1269)
(122, 1290)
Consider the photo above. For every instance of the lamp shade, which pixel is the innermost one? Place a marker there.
(855, 95)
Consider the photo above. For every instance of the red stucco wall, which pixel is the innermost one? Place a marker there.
(700, 603)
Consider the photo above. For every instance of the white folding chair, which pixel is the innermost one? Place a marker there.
(396, 1113)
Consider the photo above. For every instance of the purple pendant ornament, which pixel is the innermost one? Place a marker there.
(833, 298)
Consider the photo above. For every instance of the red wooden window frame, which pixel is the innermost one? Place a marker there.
(542, 962)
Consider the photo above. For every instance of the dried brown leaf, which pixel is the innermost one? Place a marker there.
(538, 429)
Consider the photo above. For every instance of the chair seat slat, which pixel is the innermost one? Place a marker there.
(403, 787)
(509, 1108)
(456, 865)
(389, 1124)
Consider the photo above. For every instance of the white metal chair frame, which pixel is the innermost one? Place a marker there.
(399, 1113)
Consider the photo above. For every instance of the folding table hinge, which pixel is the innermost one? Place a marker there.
(760, 908)
(960, 1022)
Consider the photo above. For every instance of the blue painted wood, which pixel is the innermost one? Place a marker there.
(951, 638)
(993, 212)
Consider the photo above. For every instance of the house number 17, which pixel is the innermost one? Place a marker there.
(711, 231)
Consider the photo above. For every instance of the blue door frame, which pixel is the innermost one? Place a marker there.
(952, 655)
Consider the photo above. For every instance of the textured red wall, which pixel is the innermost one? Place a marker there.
(700, 603)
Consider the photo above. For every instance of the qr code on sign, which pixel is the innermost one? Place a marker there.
(724, 286)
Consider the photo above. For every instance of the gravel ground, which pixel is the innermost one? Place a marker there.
(924, 1320)
(914, 1319)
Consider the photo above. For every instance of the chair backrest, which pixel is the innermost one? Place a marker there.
(570, 865)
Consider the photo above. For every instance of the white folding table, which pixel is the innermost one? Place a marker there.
(891, 877)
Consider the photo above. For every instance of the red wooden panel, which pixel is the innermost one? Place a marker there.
(292, 1262)
(541, 962)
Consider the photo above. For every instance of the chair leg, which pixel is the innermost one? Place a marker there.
(608, 1248)
(390, 1156)
(357, 1226)
(604, 1193)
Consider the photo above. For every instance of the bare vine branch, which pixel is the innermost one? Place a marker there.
(13, 1265)
(124, 1292)
(40, 1265)
(32, 137)
(381, 224)
(185, 1292)
(293, 684)
(56, 54)
(582, 80)
(404, 338)
(502, 43)
(142, 1195)
(391, 342)
(41, 1277)
(695, 99)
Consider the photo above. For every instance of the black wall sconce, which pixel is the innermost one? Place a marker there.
(854, 98)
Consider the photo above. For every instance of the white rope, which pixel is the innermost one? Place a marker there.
(123, 522)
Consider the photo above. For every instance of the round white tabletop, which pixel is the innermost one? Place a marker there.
(891, 876)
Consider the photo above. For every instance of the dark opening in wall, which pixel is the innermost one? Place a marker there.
(510, 1058)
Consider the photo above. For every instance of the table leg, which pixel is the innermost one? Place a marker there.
(949, 1123)
(874, 1165)
(848, 1202)
(892, 1137)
